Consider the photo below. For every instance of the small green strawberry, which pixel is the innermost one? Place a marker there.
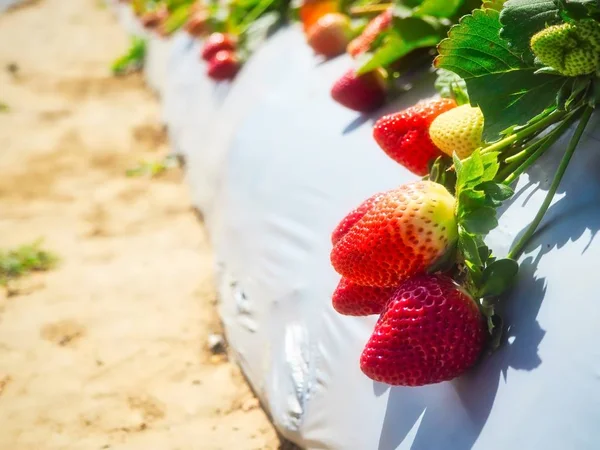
(572, 49)
(458, 130)
(401, 234)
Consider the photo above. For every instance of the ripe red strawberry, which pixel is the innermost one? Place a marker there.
(330, 35)
(404, 135)
(353, 217)
(217, 42)
(360, 93)
(354, 300)
(223, 66)
(400, 235)
(363, 42)
(430, 331)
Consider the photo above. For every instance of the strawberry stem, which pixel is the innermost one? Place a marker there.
(368, 10)
(526, 132)
(512, 172)
(520, 245)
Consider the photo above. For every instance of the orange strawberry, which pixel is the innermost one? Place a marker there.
(330, 35)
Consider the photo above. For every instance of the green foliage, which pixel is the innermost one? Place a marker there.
(416, 25)
(450, 85)
(24, 260)
(133, 59)
(478, 198)
(504, 86)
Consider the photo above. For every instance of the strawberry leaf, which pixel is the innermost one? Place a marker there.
(493, 4)
(468, 247)
(438, 8)
(502, 84)
(498, 276)
(450, 85)
(480, 221)
(521, 19)
(496, 191)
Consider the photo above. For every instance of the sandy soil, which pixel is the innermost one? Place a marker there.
(109, 350)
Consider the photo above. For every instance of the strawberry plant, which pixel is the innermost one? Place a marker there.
(132, 60)
(522, 72)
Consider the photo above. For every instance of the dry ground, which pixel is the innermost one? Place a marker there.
(108, 351)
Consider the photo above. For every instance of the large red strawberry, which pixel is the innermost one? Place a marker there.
(404, 135)
(352, 217)
(402, 234)
(354, 300)
(223, 65)
(217, 42)
(430, 331)
(330, 35)
(362, 43)
(362, 93)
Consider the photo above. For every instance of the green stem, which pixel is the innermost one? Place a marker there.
(518, 248)
(523, 153)
(509, 175)
(370, 9)
(253, 15)
(551, 118)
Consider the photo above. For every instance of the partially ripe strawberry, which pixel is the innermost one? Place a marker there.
(223, 66)
(312, 10)
(572, 49)
(430, 331)
(152, 19)
(362, 43)
(404, 135)
(352, 299)
(400, 235)
(458, 130)
(217, 42)
(362, 93)
(354, 216)
(197, 24)
(330, 35)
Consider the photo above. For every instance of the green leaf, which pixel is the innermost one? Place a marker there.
(493, 4)
(258, 31)
(480, 221)
(497, 191)
(468, 247)
(470, 200)
(470, 171)
(498, 276)
(490, 165)
(408, 34)
(450, 85)
(498, 81)
(521, 19)
(438, 8)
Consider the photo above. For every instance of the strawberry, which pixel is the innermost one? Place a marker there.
(223, 66)
(572, 49)
(312, 10)
(152, 19)
(458, 130)
(363, 42)
(197, 24)
(430, 331)
(404, 135)
(353, 217)
(217, 42)
(362, 93)
(330, 35)
(352, 299)
(400, 235)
